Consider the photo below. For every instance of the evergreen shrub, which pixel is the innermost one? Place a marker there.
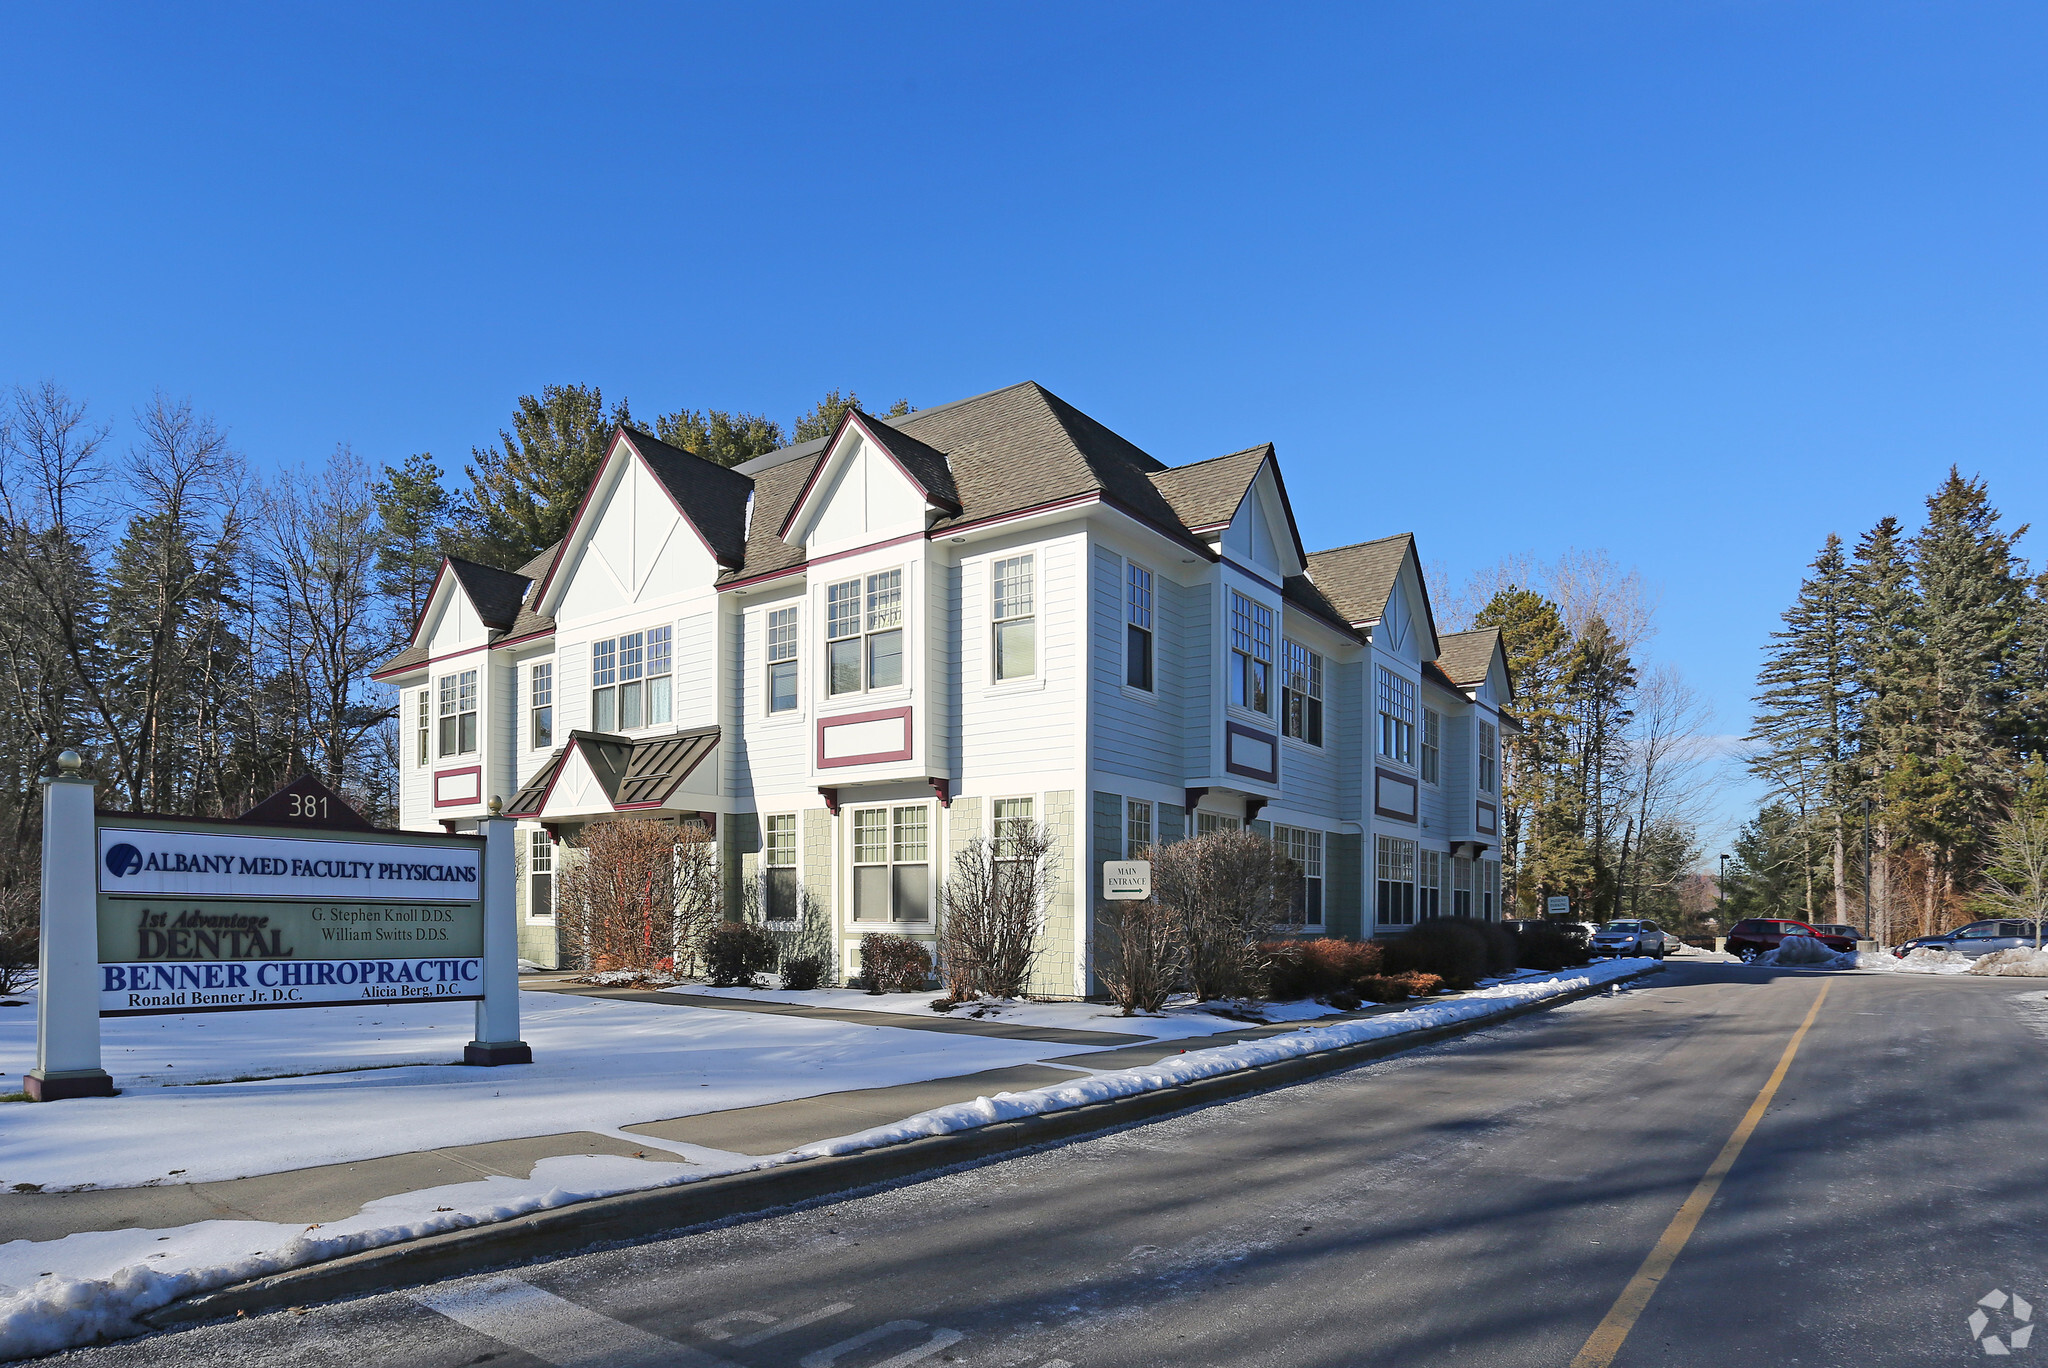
(1455, 949)
(1553, 945)
(803, 973)
(1317, 968)
(734, 952)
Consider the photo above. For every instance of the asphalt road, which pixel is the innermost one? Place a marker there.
(1484, 1201)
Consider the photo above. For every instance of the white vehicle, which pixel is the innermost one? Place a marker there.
(1634, 937)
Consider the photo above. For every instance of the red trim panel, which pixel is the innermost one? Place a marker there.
(1486, 819)
(439, 775)
(1380, 776)
(1264, 776)
(872, 758)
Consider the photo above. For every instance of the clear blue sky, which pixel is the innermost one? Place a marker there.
(1695, 283)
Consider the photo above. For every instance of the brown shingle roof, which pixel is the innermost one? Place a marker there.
(1206, 494)
(495, 593)
(926, 467)
(1301, 591)
(1358, 579)
(1467, 656)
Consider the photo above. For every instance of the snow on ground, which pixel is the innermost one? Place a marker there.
(1181, 1019)
(1883, 962)
(60, 1293)
(598, 1064)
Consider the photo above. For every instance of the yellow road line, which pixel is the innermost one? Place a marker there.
(1608, 1337)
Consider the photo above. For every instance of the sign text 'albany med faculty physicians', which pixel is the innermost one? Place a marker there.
(202, 864)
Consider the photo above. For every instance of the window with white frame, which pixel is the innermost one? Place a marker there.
(540, 876)
(1305, 848)
(458, 713)
(425, 717)
(630, 680)
(892, 873)
(864, 633)
(1429, 883)
(778, 867)
(1489, 889)
(1432, 746)
(1137, 827)
(1206, 822)
(1461, 887)
(1301, 692)
(1138, 627)
(540, 705)
(1251, 654)
(1489, 757)
(781, 652)
(1013, 609)
(660, 675)
(1012, 826)
(1396, 861)
(1397, 717)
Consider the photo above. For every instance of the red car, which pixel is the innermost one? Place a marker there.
(1754, 936)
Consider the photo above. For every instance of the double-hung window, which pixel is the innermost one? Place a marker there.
(631, 680)
(424, 717)
(1396, 904)
(1301, 692)
(778, 867)
(781, 652)
(1012, 826)
(1432, 746)
(1489, 757)
(1138, 627)
(892, 865)
(1013, 608)
(1305, 848)
(1461, 887)
(540, 876)
(1251, 653)
(1397, 717)
(1137, 827)
(540, 704)
(458, 713)
(1429, 885)
(1208, 822)
(1489, 889)
(864, 641)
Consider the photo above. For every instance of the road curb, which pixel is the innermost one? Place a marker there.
(662, 1212)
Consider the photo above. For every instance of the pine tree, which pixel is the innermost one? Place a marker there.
(1889, 677)
(825, 414)
(1601, 684)
(714, 434)
(523, 492)
(412, 509)
(1539, 654)
(1806, 702)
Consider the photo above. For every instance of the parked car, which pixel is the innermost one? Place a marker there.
(1978, 938)
(1838, 929)
(1755, 936)
(1633, 937)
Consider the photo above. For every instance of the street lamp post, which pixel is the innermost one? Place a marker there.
(1721, 891)
(1867, 928)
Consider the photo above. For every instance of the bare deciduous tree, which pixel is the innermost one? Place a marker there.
(1228, 889)
(996, 897)
(2016, 879)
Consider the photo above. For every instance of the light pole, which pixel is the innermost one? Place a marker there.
(1721, 891)
(1867, 930)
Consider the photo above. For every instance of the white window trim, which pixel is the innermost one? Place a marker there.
(1322, 877)
(796, 864)
(1414, 723)
(1270, 717)
(1280, 697)
(1017, 683)
(554, 705)
(801, 710)
(935, 894)
(1123, 630)
(909, 587)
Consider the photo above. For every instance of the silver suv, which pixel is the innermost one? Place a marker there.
(1978, 938)
(1633, 937)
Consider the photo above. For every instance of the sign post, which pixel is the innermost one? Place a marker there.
(497, 1015)
(67, 997)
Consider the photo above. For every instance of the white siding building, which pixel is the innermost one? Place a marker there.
(851, 656)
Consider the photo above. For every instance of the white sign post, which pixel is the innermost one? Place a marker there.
(1126, 880)
(1557, 907)
(497, 1016)
(67, 972)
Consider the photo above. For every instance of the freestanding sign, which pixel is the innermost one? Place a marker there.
(1126, 880)
(1556, 906)
(154, 915)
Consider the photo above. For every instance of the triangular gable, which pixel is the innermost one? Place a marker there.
(1263, 524)
(1407, 617)
(856, 445)
(655, 510)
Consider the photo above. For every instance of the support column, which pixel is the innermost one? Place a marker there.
(67, 978)
(497, 1016)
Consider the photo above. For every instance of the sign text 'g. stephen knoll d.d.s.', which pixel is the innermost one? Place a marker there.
(193, 921)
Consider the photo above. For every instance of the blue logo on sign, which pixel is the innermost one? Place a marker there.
(124, 859)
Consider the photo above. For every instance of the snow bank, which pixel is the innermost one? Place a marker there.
(1802, 950)
(1918, 962)
(58, 1294)
(2019, 962)
(1183, 1016)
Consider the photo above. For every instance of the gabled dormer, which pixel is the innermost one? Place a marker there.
(872, 483)
(657, 522)
(469, 607)
(1238, 505)
(1477, 663)
(1379, 589)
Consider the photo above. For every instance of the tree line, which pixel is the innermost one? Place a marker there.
(1902, 709)
(203, 633)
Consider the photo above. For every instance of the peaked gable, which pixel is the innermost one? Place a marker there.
(867, 452)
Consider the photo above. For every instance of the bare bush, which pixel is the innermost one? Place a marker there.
(1228, 889)
(21, 925)
(995, 905)
(1140, 954)
(805, 941)
(638, 895)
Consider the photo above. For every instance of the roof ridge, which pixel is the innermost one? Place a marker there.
(1210, 460)
(1374, 541)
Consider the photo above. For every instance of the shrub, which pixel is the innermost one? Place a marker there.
(1455, 949)
(1503, 949)
(1226, 889)
(1553, 945)
(1140, 954)
(893, 964)
(994, 900)
(1397, 987)
(803, 973)
(734, 952)
(1317, 968)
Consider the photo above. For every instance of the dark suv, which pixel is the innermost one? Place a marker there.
(1754, 936)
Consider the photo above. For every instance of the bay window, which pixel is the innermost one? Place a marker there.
(891, 864)
(1207, 822)
(1013, 607)
(1397, 717)
(1432, 746)
(1251, 654)
(864, 645)
(1138, 627)
(1301, 692)
(1396, 861)
(781, 653)
(458, 713)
